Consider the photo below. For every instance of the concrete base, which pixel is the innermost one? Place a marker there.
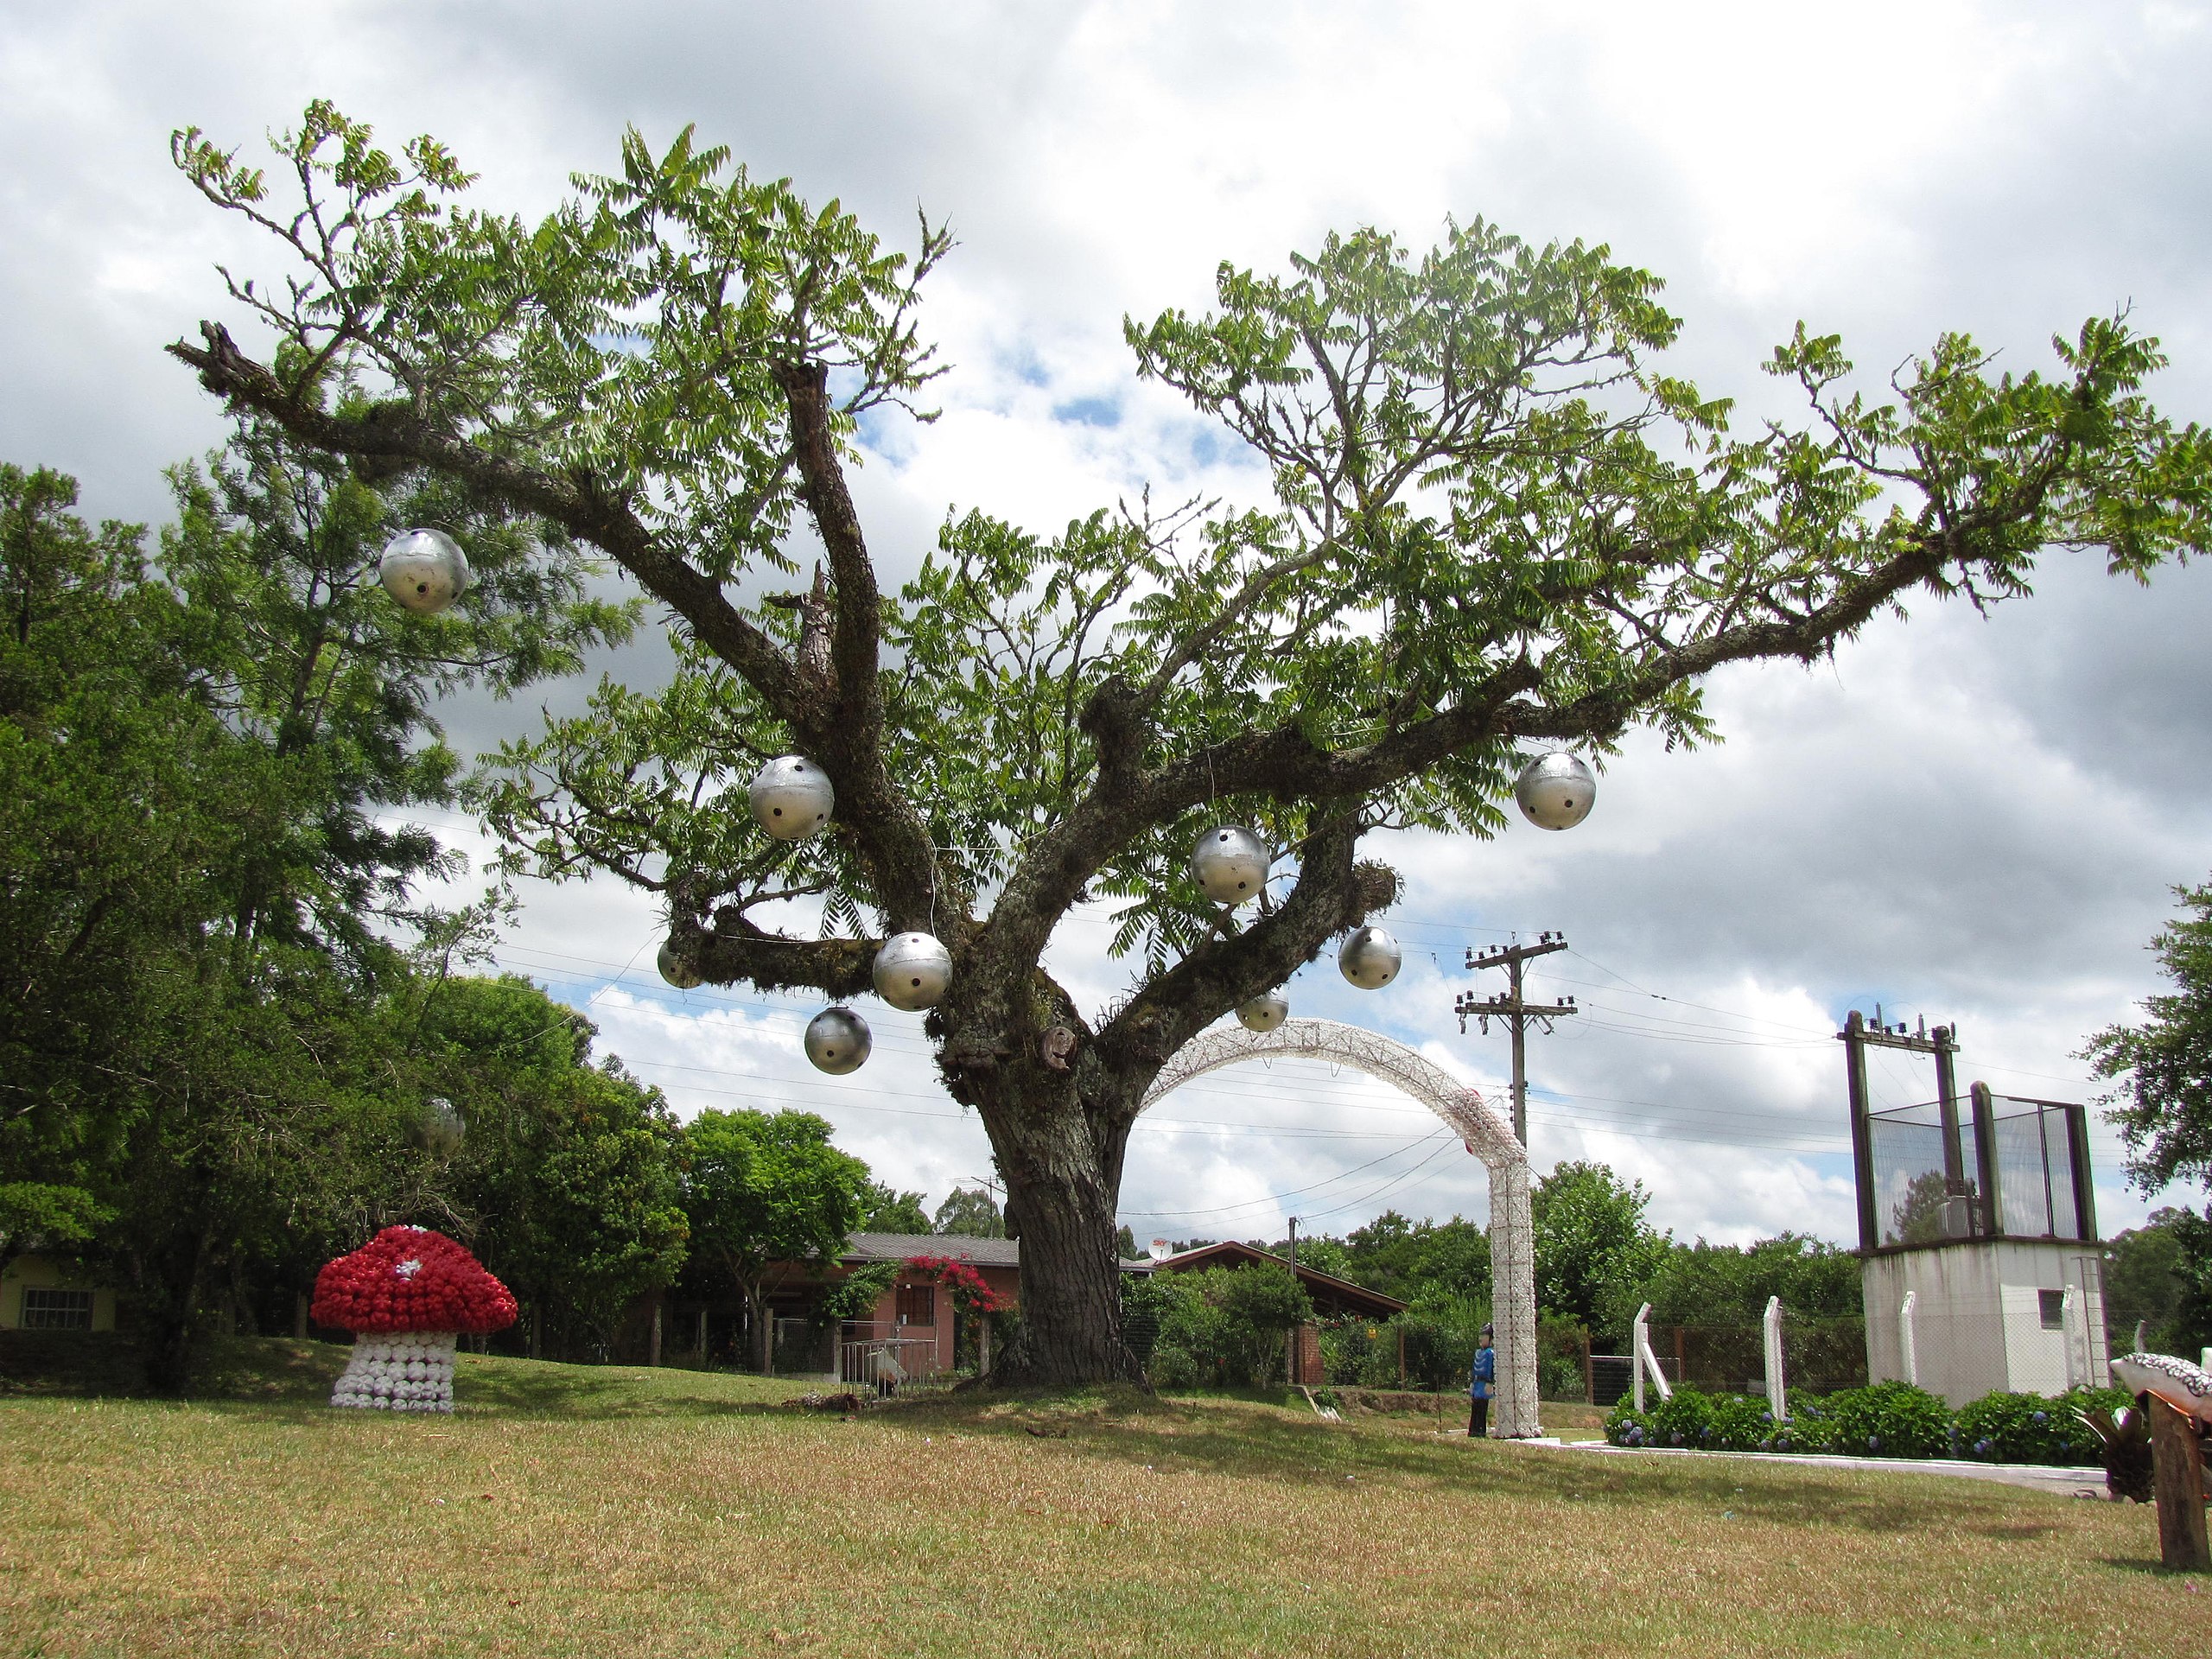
(1980, 1320)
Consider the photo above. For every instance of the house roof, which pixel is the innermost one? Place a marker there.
(978, 1252)
(1326, 1290)
(901, 1247)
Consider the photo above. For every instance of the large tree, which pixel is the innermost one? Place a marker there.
(1495, 523)
(2163, 1104)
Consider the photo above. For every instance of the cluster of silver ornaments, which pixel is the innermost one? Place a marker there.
(424, 569)
(838, 1041)
(912, 971)
(1369, 958)
(792, 799)
(676, 972)
(1556, 791)
(1264, 1012)
(1230, 863)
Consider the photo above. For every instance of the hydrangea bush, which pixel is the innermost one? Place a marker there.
(1887, 1419)
(2034, 1427)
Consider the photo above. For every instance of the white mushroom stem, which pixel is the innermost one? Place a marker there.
(405, 1370)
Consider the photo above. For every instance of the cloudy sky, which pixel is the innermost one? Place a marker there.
(1964, 819)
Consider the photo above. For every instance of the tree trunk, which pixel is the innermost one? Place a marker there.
(174, 1316)
(1063, 1167)
(762, 1334)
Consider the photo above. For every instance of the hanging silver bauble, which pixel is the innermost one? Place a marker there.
(675, 970)
(792, 799)
(442, 1127)
(912, 970)
(1264, 1012)
(1556, 791)
(1369, 958)
(424, 569)
(838, 1041)
(1230, 863)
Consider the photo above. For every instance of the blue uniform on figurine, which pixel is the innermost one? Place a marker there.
(1478, 1384)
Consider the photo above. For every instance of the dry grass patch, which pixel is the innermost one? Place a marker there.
(573, 1511)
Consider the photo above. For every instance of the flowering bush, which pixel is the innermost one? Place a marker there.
(411, 1279)
(1889, 1419)
(969, 1291)
(1695, 1421)
(2034, 1427)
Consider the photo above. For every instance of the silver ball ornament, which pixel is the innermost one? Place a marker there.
(1369, 958)
(675, 970)
(792, 799)
(424, 569)
(1230, 863)
(1264, 1012)
(1556, 791)
(838, 1041)
(912, 970)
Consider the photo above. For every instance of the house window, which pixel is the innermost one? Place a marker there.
(57, 1310)
(2053, 1304)
(918, 1305)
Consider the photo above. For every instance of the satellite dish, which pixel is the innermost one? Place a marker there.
(1161, 1249)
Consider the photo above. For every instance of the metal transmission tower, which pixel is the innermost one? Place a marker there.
(1514, 1012)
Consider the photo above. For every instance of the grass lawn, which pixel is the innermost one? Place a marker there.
(574, 1511)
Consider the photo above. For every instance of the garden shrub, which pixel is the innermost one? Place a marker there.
(1889, 1419)
(2002, 1427)
(1695, 1421)
(1808, 1428)
(1172, 1367)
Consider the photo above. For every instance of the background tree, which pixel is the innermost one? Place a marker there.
(1496, 523)
(968, 1214)
(764, 1193)
(2163, 1105)
(2159, 1275)
(567, 1179)
(1592, 1243)
(885, 1210)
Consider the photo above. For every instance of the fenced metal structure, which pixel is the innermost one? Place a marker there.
(1977, 1232)
(1490, 1137)
(1817, 1355)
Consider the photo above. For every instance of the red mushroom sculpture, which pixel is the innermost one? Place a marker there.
(406, 1295)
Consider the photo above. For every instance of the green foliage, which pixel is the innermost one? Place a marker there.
(1418, 1261)
(2164, 1106)
(1888, 1419)
(567, 1179)
(885, 1210)
(966, 1214)
(764, 1192)
(1594, 1245)
(2160, 1274)
(1722, 1284)
(2003, 1427)
(1225, 1325)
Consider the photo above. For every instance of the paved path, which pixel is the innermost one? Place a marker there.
(2061, 1482)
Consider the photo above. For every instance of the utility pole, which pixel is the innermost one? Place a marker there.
(1514, 1012)
(1297, 1338)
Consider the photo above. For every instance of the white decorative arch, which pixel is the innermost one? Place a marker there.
(1490, 1137)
